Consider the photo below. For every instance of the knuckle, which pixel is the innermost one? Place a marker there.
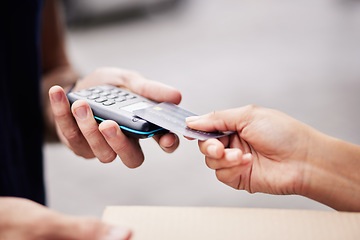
(61, 113)
(213, 114)
(252, 108)
(41, 225)
(208, 163)
(132, 74)
(128, 76)
(89, 228)
(101, 70)
(107, 157)
(203, 148)
(73, 136)
(220, 124)
(221, 177)
(90, 132)
(121, 147)
(87, 154)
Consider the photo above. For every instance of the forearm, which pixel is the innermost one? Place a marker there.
(332, 176)
(56, 68)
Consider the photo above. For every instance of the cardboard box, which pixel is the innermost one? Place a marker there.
(213, 223)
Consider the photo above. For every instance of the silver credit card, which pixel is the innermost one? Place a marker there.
(172, 117)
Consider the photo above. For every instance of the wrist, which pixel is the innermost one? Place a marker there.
(313, 164)
(330, 173)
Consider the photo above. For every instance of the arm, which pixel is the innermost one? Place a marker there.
(83, 135)
(333, 175)
(274, 153)
(24, 219)
(56, 67)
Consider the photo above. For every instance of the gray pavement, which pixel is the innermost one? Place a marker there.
(301, 57)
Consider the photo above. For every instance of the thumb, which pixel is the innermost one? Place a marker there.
(86, 228)
(226, 120)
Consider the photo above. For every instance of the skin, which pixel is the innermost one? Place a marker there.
(271, 152)
(78, 129)
(23, 219)
(80, 132)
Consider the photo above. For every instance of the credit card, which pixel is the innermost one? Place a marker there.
(172, 118)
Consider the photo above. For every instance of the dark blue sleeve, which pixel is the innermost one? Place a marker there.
(21, 162)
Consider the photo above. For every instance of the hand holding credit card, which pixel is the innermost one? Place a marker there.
(172, 117)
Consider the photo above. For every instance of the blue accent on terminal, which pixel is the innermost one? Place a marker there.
(149, 134)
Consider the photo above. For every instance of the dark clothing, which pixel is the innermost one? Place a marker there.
(21, 164)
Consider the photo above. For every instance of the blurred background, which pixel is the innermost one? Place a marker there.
(301, 57)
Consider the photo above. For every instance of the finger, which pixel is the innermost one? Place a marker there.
(168, 142)
(151, 89)
(128, 149)
(134, 82)
(84, 228)
(39, 222)
(232, 157)
(89, 128)
(212, 148)
(155, 90)
(227, 120)
(67, 124)
(214, 151)
(236, 177)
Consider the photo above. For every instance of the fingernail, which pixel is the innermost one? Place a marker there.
(81, 112)
(109, 132)
(118, 233)
(56, 97)
(192, 118)
(169, 145)
(211, 150)
(233, 155)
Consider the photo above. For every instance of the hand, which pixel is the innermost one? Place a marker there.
(271, 152)
(78, 129)
(267, 153)
(24, 219)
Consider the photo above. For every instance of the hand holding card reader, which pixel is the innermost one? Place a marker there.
(114, 103)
